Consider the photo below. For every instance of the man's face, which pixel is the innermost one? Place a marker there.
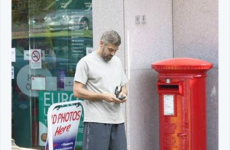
(108, 51)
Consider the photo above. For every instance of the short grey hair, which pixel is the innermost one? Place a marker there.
(111, 37)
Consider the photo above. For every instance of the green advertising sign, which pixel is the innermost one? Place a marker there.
(46, 99)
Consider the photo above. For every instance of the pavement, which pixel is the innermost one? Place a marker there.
(15, 147)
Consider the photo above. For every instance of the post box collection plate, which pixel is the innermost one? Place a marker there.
(168, 105)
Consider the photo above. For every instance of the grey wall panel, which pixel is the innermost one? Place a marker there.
(145, 43)
(151, 41)
(212, 109)
(108, 15)
(195, 26)
(143, 112)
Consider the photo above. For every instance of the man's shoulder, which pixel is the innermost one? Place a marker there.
(116, 59)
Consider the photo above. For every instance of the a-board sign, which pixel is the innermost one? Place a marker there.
(63, 123)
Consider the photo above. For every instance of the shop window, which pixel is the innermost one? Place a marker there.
(49, 37)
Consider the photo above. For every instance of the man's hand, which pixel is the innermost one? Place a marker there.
(81, 92)
(111, 98)
(123, 96)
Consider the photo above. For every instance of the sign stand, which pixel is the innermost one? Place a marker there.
(61, 119)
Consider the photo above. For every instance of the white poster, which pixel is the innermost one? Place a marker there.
(168, 105)
(38, 83)
(12, 72)
(13, 55)
(68, 83)
(24, 79)
(35, 59)
(26, 55)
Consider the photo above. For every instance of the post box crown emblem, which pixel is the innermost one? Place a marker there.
(182, 65)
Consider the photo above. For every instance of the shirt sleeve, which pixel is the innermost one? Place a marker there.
(81, 73)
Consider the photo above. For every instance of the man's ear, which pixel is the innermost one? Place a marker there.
(101, 43)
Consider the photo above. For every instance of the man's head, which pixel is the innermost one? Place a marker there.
(109, 44)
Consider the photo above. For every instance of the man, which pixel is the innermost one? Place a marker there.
(96, 78)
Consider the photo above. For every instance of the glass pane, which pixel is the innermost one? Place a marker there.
(50, 37)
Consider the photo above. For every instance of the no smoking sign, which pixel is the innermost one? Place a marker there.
(35, 56)
(35, 59)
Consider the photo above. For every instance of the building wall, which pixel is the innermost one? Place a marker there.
(172, 29)
(146, 43)
(108, 15)
(195, 34)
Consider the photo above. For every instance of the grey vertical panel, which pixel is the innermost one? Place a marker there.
(144, 111)
(108, 15)
(212, 109)
(151, 41)
(196, 29)
(196, 35)
(147, 43)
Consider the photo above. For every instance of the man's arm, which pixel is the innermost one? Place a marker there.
(124, 90)
(80, 92)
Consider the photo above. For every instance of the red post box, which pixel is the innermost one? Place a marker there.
(182, 103)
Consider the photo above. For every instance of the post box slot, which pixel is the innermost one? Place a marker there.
(168, 87)
(174, 88)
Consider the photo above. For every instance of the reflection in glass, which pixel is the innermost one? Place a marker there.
(62, 30)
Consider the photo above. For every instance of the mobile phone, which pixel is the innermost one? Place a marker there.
(122, 97)
(118, 91)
